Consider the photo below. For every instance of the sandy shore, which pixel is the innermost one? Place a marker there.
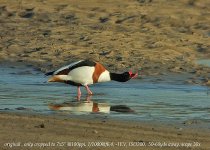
(20, 131)
(157, 36)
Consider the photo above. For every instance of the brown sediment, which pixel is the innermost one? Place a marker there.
(157, 36)
(44, 129)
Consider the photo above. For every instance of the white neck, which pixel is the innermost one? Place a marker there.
(104, 77)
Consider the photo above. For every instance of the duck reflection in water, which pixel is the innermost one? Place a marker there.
(90, 106)
(82, 106)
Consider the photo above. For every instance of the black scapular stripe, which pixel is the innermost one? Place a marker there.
(67, 70)
(83, 63)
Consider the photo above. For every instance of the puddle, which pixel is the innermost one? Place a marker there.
(25, 89)
(205, 62)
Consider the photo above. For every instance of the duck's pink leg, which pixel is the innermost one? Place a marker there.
(88, 90)
(79, 93)
(88, 98)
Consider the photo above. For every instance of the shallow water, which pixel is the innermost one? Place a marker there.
(25, 89)
(205, 62)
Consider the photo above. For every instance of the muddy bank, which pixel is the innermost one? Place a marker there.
(24, 131)
(156, 36)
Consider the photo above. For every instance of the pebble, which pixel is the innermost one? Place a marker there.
(95, 131)
(103, 19)
(26, 14)
(40, 126)
(207, 83)
(21, 108)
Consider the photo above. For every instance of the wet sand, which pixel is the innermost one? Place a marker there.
(20, 130)
(157, 36)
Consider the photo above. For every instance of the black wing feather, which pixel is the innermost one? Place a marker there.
(65, 71)
(83, 63)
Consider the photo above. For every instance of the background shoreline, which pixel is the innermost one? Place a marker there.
(156, 36)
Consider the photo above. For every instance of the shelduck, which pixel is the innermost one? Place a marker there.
(87, 72)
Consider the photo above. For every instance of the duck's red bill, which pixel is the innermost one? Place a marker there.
(133, 75)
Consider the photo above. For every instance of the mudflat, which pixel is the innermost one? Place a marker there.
(19, 131)
(156, 36)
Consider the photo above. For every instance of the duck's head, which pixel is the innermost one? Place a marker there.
(132, 75)
(124, 76)
(129, 75)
